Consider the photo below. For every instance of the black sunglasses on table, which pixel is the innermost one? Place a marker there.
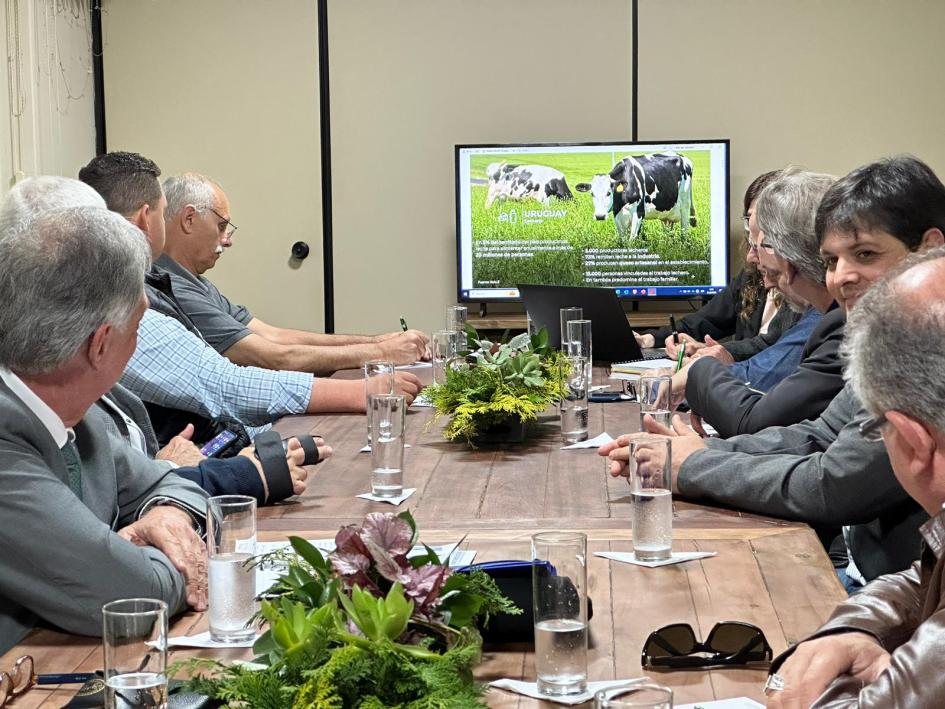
(729, 643)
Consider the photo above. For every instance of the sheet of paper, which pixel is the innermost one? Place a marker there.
(415, 365)
(422, 401)
(736, 703)
(643, 365)
(203, 640)
(677, 557)
(595, 442)
(407, 492)
(530, 689)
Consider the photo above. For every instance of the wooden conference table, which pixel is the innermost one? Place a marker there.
(768, 572)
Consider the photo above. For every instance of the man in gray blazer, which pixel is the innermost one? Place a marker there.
(86, 518)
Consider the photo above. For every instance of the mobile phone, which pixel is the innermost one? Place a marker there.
(218, 444)
(605, 396)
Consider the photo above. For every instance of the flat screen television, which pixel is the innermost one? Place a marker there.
(648, 219)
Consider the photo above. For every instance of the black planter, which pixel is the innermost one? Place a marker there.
(509, 431)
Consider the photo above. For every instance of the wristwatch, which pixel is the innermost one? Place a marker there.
(196, 521)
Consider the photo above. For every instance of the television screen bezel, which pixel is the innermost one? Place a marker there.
(499, 146)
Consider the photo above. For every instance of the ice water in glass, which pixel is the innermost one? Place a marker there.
(231, 543)
(136, 690)
(561, 655)
(652, 524)
(574, 404)
(387, 450)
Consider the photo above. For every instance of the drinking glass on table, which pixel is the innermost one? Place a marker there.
(579, 339)
(573, 405)
(638, 694)
(378, 379)
(231, 543)
(134, 639)
(456, 317)
(387, 453)
(655, 392)
(446, 345)
(567, 315)
(559, 594)
(652, 498)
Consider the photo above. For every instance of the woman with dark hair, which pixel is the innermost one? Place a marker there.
(748, 309)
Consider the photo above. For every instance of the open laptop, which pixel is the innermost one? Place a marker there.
(611, 332)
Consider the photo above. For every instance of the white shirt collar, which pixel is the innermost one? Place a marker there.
(49, 418)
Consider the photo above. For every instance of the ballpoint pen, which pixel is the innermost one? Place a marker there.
(679, 358)
(403, 324)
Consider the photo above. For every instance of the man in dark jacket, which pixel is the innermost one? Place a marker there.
(882, 647)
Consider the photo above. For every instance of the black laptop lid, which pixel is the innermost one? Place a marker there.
(613, 339)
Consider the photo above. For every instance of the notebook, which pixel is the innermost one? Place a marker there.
(612, 336)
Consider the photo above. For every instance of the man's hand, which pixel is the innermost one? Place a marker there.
(171, 530)
(816, 663)
(690, 343)
(714, 349)
(181, 450)
(406, 383)
(644, 341)
(405, 348)
(294, 456)
(685, 443)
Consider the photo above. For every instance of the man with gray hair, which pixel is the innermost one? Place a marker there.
(198, 228)
(882, 647)
(86, 519)
(789, 254)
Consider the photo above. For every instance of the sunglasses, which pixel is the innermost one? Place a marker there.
(729, 643)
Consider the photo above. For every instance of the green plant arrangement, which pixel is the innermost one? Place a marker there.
(365, 627)
(498, 382)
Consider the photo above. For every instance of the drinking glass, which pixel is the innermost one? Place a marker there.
(654, 393)
(231, 543)
(559, 595)
(134, 638)
(652, 498)
(574, 404)
(446, 345)
(387, 453)
(637, 694)
(567, 315)
(378, 379)
(456, 317)
(579, 339)
(532, 327)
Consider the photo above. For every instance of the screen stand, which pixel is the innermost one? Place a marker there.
(482, 310)
(635, 306)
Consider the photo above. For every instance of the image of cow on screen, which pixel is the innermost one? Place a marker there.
(590, 218)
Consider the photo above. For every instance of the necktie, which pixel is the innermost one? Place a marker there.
(70, 454)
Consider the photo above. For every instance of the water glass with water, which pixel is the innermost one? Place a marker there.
(446, 345)
(134, 638)
(579, 339)
(652, 498)
(559, 594)
(378, 379)
(574, 403)
(655, 393)
(567, 315)
(456, 317)
(387, 453)
(642, 693)
(231, 543)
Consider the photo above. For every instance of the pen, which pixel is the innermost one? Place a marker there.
(403, 324)
(70, 678)
(679, 358)
(672, 324)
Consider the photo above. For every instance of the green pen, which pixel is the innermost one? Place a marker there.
(403, 324)
(679, 358)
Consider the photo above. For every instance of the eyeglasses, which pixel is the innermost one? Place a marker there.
(225, 226)
(872, 429)
(745, 220)
(17, 681)
(729, 643)
(750, 244)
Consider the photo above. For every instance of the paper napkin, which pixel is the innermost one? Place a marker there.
(367, 449)
(203, 640)
(595, 442)
(530, 689)
(735, 703)
(408, 491)
(677, 557)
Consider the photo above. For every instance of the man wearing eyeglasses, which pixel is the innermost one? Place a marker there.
(882, 648)
(199, 229)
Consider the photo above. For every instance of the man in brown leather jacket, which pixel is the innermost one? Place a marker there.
(882, 647)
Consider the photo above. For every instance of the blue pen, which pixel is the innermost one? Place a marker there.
(66, 678)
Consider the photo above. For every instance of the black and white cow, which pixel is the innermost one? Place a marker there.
(518, 182)
(655, 186)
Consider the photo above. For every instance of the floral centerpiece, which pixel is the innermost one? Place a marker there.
(498, 382)
(364, 627)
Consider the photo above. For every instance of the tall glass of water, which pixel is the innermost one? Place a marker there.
(655, 393)
(652, 498)
(639, 694)
(378, 379)
(456, 317)
(559, 594)
(579, 339)
(387, 452)
(134, 637)
(574, 404)
(567, 315)
(231, 543)
(446, 345)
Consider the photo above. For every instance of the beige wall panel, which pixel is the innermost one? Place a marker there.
(230, 88)
(826, 85)
(409, 80)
